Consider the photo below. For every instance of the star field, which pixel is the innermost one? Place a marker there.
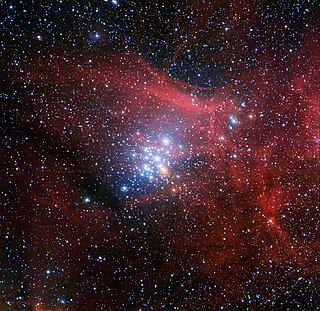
(160, 155)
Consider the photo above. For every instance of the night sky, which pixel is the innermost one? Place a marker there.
(160, 155)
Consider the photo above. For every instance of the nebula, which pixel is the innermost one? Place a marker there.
(128, 188)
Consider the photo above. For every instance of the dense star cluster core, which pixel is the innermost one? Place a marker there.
(160, 155)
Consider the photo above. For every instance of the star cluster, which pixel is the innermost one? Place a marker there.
(160, 155)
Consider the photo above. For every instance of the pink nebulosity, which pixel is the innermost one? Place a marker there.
(235, 186)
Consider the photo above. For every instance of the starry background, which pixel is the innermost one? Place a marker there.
(160, 155)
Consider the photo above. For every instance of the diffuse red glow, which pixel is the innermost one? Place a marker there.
(236, 194)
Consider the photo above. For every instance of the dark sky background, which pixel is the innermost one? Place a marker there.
(160, 155)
